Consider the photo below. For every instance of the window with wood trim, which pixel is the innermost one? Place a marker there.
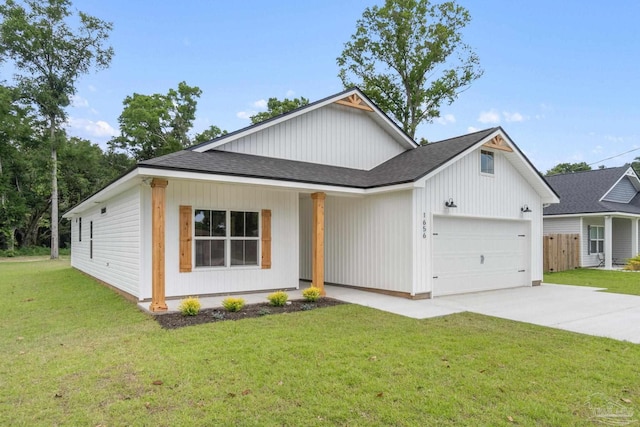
(596, 239)
(486, 162)
(226, 238)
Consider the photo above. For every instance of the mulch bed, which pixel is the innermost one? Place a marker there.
(210, 315)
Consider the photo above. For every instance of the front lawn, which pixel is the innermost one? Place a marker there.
(619, 282)
(75, 353)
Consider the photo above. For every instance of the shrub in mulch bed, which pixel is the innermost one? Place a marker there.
(210, 315)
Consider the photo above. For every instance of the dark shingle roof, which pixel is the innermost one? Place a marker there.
(406, 167)
(580, 192)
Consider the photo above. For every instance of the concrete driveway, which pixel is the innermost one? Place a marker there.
(572, 308)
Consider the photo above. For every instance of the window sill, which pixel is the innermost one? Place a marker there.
(231, 268)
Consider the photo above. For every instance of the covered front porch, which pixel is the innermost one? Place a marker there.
(611, 240)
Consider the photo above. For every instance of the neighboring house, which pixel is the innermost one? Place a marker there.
(603, 207)
(333, 191)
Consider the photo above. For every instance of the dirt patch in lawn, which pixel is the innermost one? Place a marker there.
(210, 315)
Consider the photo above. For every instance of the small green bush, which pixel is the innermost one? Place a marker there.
(633, 264)
(233, 304)
(190, 306)
(264, 311)
(311, 294)
(278, 299)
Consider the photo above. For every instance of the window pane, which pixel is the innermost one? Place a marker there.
(593, 247)
(600, 232)
(209, 253)
(251, 226)
(600, 246)
(237, 252)
(219, 223)
(244, 252)
(217, 253)
(593, 233)
(237, 224)
(250, 252)
(486, 162)
(202, 220)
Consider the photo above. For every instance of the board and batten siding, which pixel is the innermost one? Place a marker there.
(561, 225)
(333, 135)
(477, 195)
(116, 242)
(223, 280)
(367, 240)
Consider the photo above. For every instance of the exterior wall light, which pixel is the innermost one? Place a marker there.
(450, 203)
(525, 208)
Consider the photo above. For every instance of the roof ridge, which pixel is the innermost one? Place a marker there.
(462, 136)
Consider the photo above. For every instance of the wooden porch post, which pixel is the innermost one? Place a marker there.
(158, 201)
(317, 266)
(608, 242)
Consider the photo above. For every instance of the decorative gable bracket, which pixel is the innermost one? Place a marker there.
(354, 101)
(498, 143)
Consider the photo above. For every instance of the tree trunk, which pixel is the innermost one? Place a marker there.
(54, 190)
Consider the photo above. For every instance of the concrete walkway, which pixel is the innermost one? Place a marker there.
(572, 308)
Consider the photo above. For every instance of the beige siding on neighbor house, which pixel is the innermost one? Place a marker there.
(215, 280)
(561, 225)
(367, 240)
(621, 239)
(498, 196)
(116, 242)
(332, 135)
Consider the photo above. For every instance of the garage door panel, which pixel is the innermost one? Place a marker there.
(479, 254)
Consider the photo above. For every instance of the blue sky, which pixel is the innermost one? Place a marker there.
(561, 77)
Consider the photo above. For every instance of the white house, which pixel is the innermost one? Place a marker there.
(331, 192)
(602, 206)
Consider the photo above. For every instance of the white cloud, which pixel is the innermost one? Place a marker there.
(89, 128)
(245, 115)
(597, 150)
(472, 129)
(260, 104)
(290, 93)
(491, 116)
(612, 138)
(512, 117)
(78, 101)
(446, 119)
(92, 88)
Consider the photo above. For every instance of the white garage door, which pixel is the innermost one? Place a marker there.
(472, 255)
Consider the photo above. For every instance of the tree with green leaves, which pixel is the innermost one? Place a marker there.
(409, 57)
(275, 107)
(208, 134)
(49, 55)
(636, 165)
(562, 168)
(158, 124)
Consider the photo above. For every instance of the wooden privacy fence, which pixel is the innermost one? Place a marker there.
(561, 252)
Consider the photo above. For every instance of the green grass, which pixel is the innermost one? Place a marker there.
(619, 282)
(75, 353)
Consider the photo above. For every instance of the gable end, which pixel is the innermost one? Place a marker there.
(623, 192)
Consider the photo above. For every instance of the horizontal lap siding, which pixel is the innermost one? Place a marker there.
(561, 225)
(587, 259)
(332, 135)
(284, 231)
(621, 239)
(116, 242)
(499, 196)
(367, 241)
